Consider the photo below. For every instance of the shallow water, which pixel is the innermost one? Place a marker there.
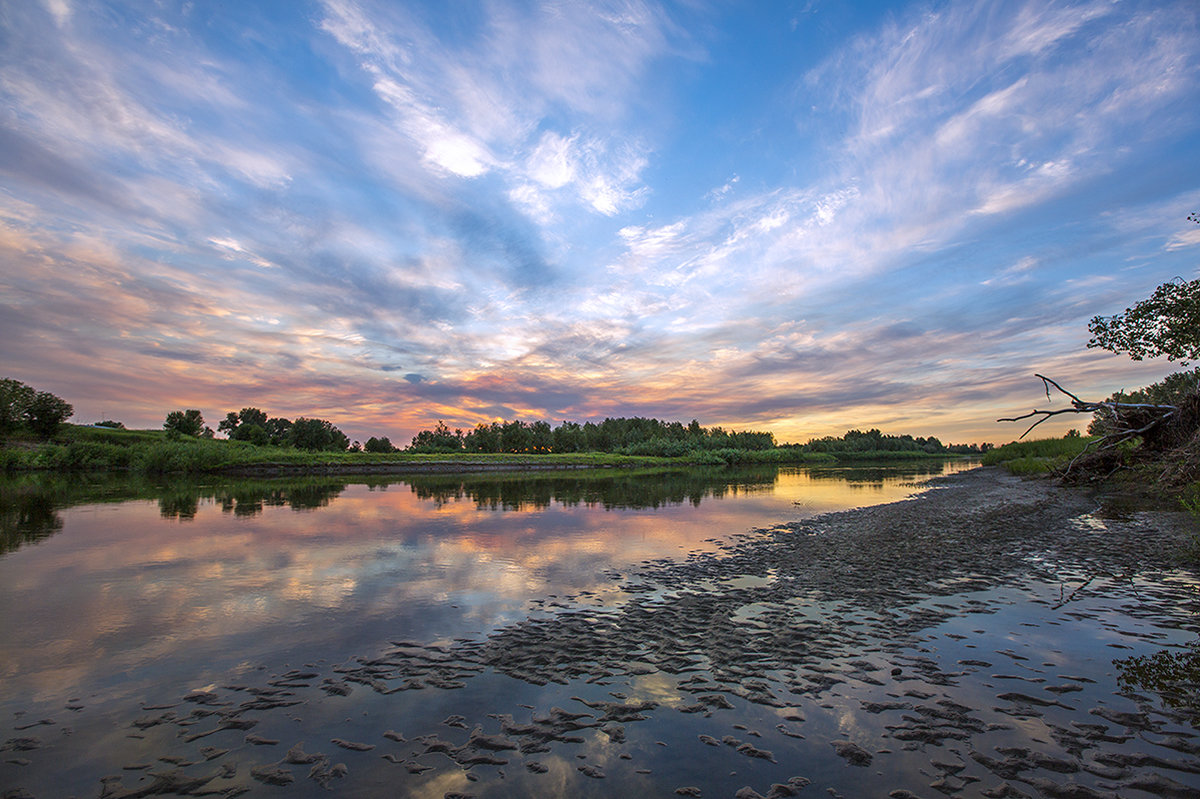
(199, 632)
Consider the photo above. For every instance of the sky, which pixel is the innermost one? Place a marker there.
(801, 217)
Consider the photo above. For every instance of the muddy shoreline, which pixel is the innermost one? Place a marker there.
(989, 637)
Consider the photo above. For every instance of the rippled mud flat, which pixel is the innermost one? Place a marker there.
(992, 637)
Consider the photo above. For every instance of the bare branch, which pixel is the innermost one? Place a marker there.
(1160, 414)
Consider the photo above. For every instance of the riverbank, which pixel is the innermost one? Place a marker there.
(992, 636)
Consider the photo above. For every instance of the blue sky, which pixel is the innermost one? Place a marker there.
(800, 217)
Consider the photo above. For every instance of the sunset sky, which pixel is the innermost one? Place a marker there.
(789, 216)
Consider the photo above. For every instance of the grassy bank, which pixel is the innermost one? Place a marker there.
(154, 452)
(1037, 456)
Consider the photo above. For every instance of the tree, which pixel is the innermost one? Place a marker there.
(15, 399)
(280, 430)
(229, 424)
(383, 444)
(440, 439)
(232, 421)
(1167, 323)
(256, 434)
(316, 434)
(185, 423)
(46, 413)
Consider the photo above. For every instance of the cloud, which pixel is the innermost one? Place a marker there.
(530, 94)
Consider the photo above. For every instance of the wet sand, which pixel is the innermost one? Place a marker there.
(991, 637)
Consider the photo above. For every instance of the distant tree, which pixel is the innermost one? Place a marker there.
(46, 413)
(356, 447)
(110, 423)
(317, 434)
(484, 438)
(379, 445)
(280, 431)
(184, 423)
(229, 424)
(440, 439)
(232, 421)
(256, 434)
(15, 399)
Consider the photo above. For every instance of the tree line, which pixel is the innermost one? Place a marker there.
(641, 436)
(630, 436)
(875, 441)
(254, 426)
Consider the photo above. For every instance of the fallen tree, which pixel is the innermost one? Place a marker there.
(1157, 427)
(1129, 419)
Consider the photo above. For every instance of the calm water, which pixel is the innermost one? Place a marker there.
(123, 602)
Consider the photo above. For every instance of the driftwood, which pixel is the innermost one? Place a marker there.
(1127, 421)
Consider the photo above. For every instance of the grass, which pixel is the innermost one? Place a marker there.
(1037, 456)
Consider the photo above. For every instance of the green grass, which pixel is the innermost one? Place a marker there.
(1037, 456)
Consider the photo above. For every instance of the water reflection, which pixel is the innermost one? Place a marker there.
(1173, 674)
(599, 489)
(117, 571)
(248, 498)
(27, 515)
(30, 504)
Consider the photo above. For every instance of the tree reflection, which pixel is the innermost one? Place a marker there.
(249, 498)
(26, 517)
(593, 488)
(1173, 674)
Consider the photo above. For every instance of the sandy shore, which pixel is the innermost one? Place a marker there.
(991, 637)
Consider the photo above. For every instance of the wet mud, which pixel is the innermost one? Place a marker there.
(991, 637)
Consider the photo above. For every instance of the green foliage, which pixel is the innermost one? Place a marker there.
(41, 412)
(1167, 323)
(15, 399)
(874, 441)
(252, 433)
(110, 423)
(185, 423)
(46, 413)
(630, 436)
(383, 444)
(247, 417)
(317, 434)
(441, 440)
(1171, 390)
